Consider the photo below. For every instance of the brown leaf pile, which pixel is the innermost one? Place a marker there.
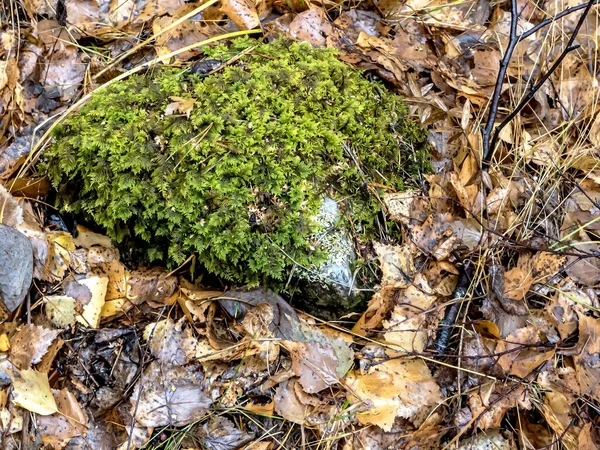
(107, 356)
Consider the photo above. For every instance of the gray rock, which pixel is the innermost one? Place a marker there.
(336, 271)
(16, 267)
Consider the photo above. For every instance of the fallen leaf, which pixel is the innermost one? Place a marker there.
(31, 390)
(519, 354)
(87, 238)
(490, 402)
(406, 327)
(397, 388)
(288, 405)
(242, 12)
(180, 105)
(60, 310)
(92, 306)
(29, 344)
(169, 396)
(171, 343)
(57, 429)
(311, 26)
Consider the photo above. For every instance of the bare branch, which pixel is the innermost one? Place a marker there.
(489, 147)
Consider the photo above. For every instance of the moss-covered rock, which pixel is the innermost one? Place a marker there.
(236, 174)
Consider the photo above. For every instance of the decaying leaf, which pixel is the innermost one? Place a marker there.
(311, 26)
(242, 12)
(169, 396)
(520, 355)
(29, 344)
(400, 387)
(61, 310)
(406, 327)
(171, 343)
(70, 421)
(288, 405)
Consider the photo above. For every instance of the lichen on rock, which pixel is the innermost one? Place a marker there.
(233, 167)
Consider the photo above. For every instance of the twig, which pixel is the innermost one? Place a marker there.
(489, 147)
(445, 329)
(512, 44)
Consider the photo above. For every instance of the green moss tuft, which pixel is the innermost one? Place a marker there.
(237, 182)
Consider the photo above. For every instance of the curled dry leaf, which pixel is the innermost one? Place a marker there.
(400, 387)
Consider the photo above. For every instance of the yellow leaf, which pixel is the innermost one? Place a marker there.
(90, 317)
(31, 391)
(400, 387)
(60, 310)
(4, 343)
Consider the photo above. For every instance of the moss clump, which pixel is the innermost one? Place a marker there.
(238, 181)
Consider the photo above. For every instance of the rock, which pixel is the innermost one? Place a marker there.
(327, 290)
(334, 240)
(16, 266)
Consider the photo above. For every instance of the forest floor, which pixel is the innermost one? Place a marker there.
(483, 329)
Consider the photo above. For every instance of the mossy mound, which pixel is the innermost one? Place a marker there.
(237, 173)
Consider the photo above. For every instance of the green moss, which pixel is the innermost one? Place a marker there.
(236, 183)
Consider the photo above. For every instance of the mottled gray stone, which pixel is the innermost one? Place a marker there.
(16, 266)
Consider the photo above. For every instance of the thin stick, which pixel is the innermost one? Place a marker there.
(489, 147)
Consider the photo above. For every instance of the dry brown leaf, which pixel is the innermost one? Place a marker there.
(171, 343)
(315, 364)
(589, 439)
(587, 363)
(180, 36)
(242, 12)
(170, 396)
(406, 327)
(397, 388)
(311, 26)
(518, 357)
(396, 264)
(29, 344)
(517, 282)
(70, 421)
(288, 405)
(490, 402)
(399, 205)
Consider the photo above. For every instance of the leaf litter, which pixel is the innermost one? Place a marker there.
(108, 356)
